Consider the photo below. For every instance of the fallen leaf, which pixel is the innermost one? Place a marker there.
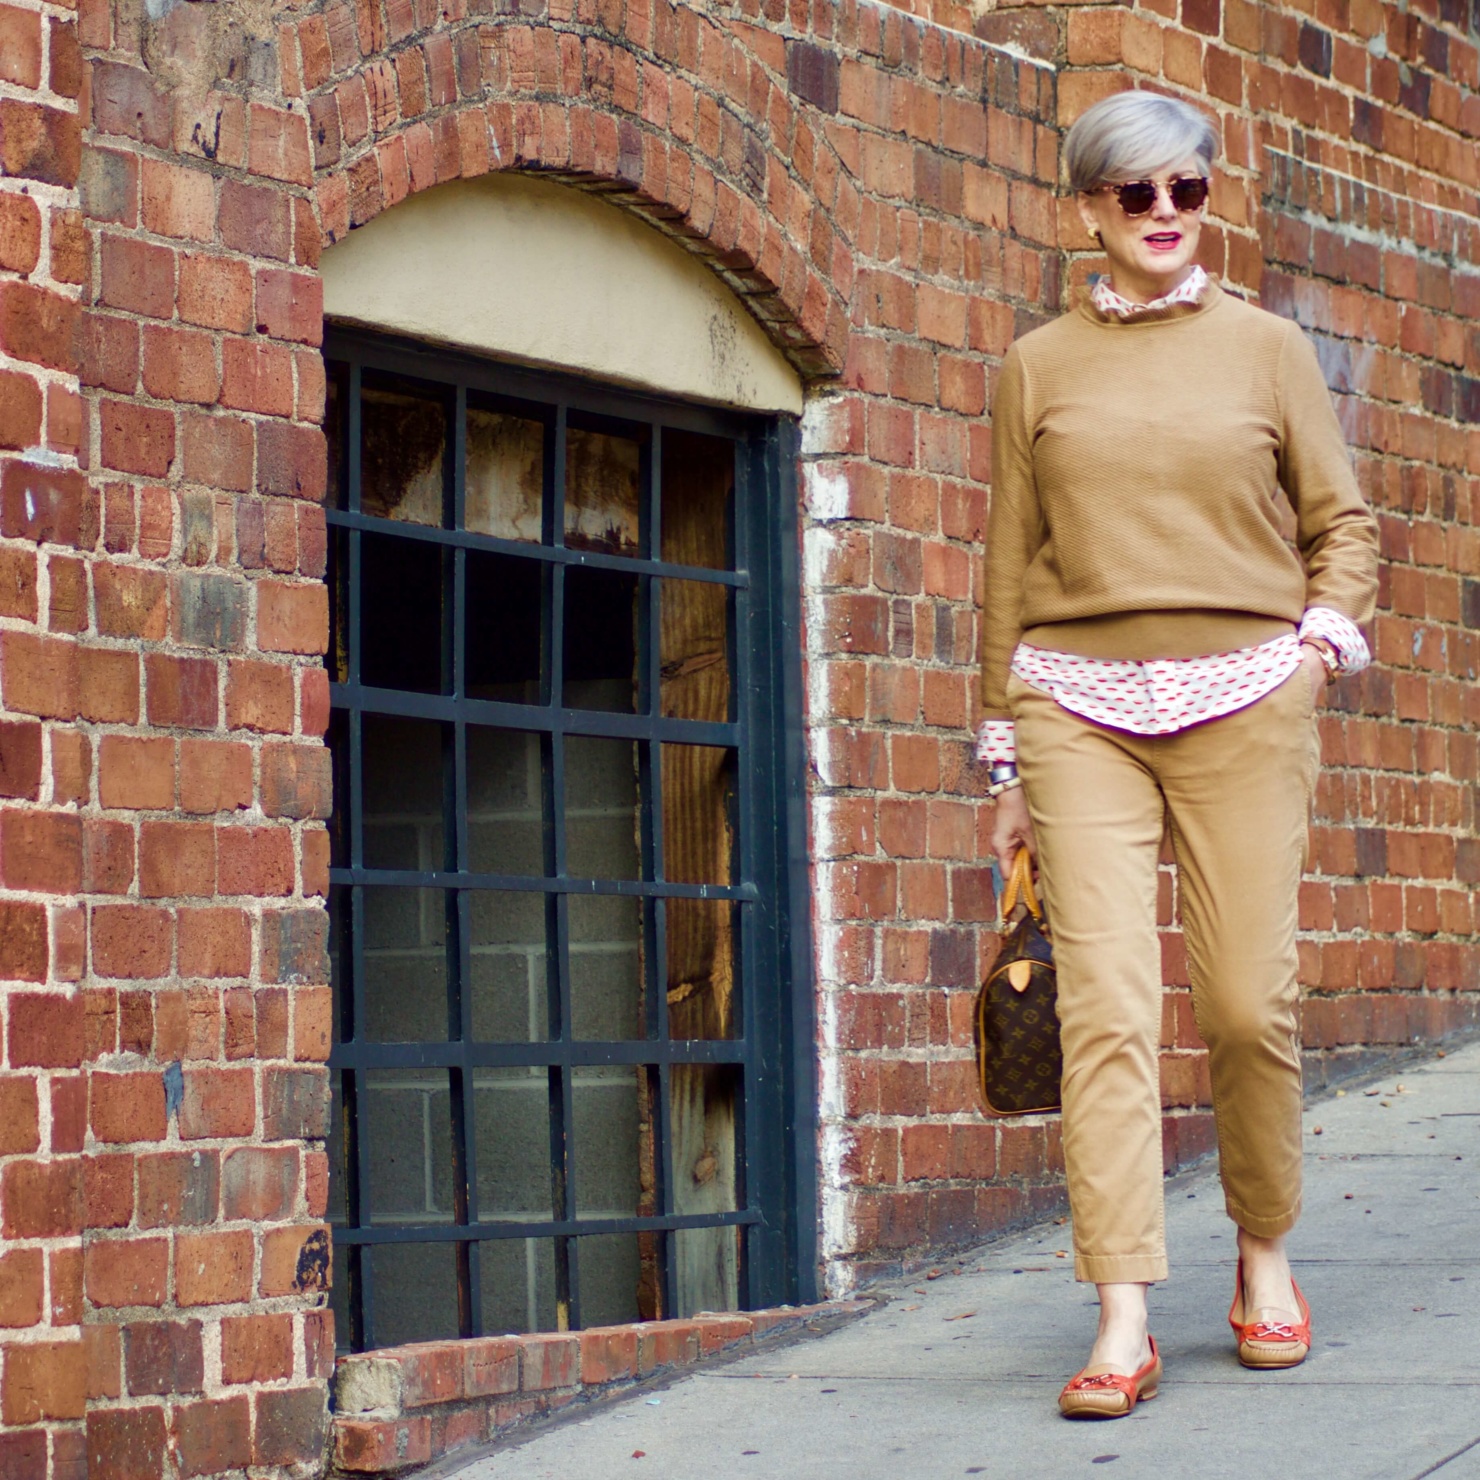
(911, 1307)
(934, 1274)
(919, 1292)
(965, 1315)
(639, 1454)
(1371, 1093)
(1349, 1196)
(1318, 1131)
(1060, 1253)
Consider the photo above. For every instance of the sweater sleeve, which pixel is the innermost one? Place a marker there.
(1335, 530)
(1014, 533)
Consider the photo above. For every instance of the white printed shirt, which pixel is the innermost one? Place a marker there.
(1159, 696)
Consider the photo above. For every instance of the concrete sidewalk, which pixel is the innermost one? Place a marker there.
(959, 1375)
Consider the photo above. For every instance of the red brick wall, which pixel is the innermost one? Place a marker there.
(161, 859)
(46, 518)
(881, 189)
(205, 780)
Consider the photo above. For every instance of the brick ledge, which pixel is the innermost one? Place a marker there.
(402, 1407)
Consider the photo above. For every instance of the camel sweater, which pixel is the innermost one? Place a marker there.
(1135, 468)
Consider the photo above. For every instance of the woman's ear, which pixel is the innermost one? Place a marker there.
(1087, 214)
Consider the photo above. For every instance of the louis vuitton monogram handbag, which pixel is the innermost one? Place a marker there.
(1018, 1058)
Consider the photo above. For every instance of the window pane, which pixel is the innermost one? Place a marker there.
(415, 1292)
(337, 575)
(606, 995)
(506, 807)
(405, 956)
(612, 1285)
(334, 409)
(504, 483)
(406, 1119)
(402, 440)
(601, 492)
(339, 1299)
(339, 961)
(702, 968)
(695, 651)
(518, 1278)
(703, 1108)
(609, 1151)
(509, 931)
(602, 822)
(403, 777)
(401, 599)
(338, 822)
(601, 640)
(698, 808)
(506, 603)
(512, 1113)
(336, 1149)
(698, 486)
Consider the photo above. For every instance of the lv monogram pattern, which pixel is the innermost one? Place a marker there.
(1018, 1055)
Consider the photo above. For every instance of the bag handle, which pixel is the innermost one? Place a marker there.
(1020, 882)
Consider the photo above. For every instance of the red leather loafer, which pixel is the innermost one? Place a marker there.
(1269, 1344)
(1096, 1393)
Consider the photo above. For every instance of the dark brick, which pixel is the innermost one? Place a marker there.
(1371, 852)
(952, 958)
(126, 1443)
(295, 947)
(295, 1104)
(20, 759)
(1315, 49)
(211, 611)
(812, 74)
(1413, 91)
(292, 1426)
(163, 1357)
(1367, 122)
(23, 1455)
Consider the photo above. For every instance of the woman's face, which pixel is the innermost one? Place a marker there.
(1149, 255)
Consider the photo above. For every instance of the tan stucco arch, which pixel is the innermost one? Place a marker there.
(544, 274)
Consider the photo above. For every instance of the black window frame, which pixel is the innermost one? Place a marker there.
(774, 1051)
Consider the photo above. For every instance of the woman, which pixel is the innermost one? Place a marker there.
(1152, 655)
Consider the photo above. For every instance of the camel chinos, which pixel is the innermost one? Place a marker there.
(1235, 794)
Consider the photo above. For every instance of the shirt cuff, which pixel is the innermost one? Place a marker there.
(1345, 637)
(996, 742)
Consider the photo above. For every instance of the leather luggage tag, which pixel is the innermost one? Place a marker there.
(1020, 974)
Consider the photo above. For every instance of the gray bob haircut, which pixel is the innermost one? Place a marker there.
(1134, 134)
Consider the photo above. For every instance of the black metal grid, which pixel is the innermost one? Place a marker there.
(772, 1050)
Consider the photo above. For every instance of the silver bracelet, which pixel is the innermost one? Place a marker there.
(1002, 771)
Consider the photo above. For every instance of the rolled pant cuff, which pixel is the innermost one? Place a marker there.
(1120, 1269)
(1281, 1223)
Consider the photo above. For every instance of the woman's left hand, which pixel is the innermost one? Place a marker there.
(1315, 673)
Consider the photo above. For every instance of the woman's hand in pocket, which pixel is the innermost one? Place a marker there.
(1013, 829)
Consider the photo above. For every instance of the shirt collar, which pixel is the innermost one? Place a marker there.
(1112, 305)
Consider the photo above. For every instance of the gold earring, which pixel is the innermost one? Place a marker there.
(1094, 233)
